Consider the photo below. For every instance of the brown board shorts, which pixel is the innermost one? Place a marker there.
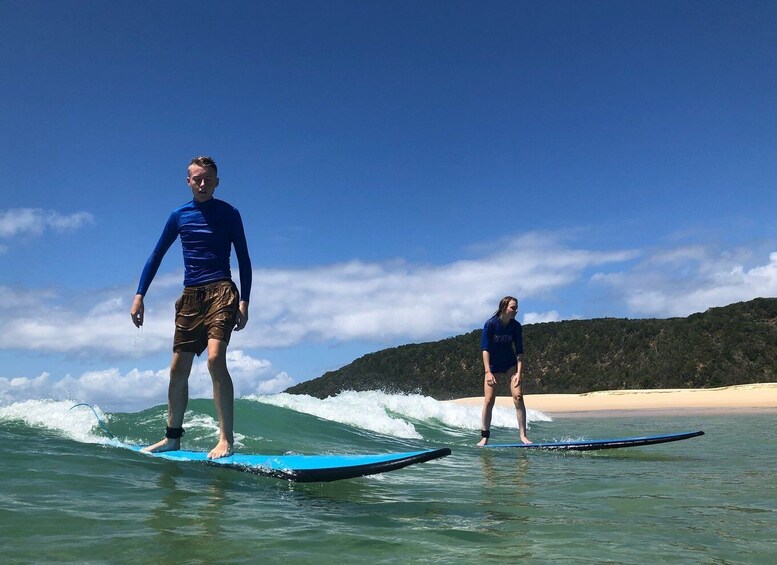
(205, 312)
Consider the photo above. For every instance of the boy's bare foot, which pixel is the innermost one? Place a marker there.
(222, 449)
(166, 444)
(483, 442)
(525, 440)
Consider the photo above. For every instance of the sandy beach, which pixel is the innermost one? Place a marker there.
(761, 397)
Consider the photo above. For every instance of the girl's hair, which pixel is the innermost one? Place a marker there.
(504, 303)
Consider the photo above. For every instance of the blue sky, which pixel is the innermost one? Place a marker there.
(399, 167)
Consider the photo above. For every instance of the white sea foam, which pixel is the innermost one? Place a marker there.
(394, 414)
(347, 408)
(80, 422)
(75, 422)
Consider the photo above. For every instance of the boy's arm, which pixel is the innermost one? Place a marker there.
(169, 233)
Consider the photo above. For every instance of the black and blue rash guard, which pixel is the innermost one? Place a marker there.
(208, 230)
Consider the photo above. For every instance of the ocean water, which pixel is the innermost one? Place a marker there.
(69, 496)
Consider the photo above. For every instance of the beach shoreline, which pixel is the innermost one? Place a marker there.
(737, 399)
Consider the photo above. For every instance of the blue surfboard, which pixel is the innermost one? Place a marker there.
(594, 444)
(306, 468)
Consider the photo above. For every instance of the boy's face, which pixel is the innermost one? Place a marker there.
(203, 182)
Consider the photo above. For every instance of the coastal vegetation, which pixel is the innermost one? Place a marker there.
(735, 344)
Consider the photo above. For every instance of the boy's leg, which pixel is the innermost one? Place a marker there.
(223, 397)
(177, 399)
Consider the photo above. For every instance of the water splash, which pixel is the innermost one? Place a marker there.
(347, 409)
(394, 414)
(78, 424)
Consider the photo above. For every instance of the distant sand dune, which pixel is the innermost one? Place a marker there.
(740, 398)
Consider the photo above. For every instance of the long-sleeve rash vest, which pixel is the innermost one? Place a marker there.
(208, 230)
(503, 343)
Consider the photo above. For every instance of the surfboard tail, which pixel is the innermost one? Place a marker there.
(328, 474)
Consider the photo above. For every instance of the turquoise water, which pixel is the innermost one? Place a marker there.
(69, 496)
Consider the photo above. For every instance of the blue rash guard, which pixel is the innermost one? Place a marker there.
(503, 343)
(208, 230)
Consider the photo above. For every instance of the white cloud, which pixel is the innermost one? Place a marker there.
(394, 300)
(679, 282)
(391, 301)
(277, 384)
(58, 222)
(138, 389)
(20, 299)
(540, 317)
(35, 221)
(103, 328)
(397, 301)
(350, 301)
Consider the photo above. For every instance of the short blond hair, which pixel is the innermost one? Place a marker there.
(204, 161)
